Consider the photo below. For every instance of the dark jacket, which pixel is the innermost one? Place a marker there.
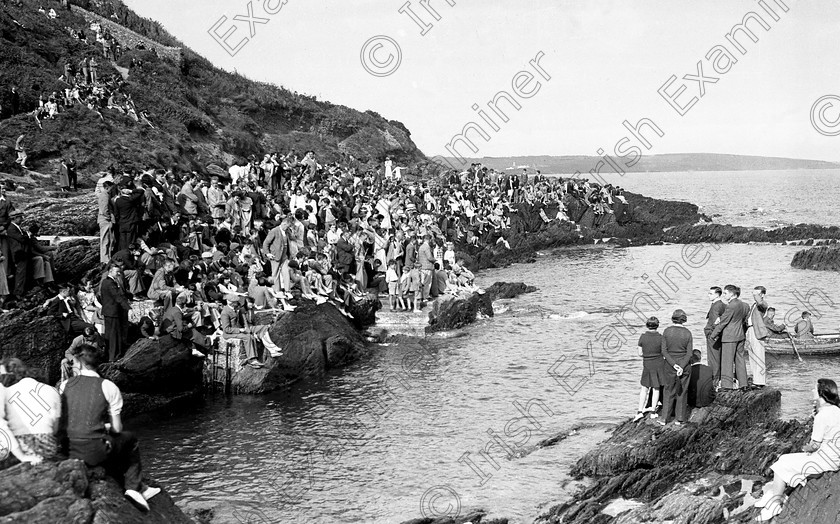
(114, 301)
(128, 209)
(733, 322)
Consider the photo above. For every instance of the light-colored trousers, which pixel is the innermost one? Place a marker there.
(106, 241)
(280, 275)
(757, 365)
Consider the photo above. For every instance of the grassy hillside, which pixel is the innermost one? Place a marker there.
(201, 113)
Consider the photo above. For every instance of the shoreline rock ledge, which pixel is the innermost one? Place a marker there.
(708, 471)
(68, 491)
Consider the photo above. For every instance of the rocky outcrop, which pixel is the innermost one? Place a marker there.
(508, 290)
(314, 338)
(727, 234)
(471, 517)
(818, 259)
(75, 259)
(161, 366)
(62, 216)
(38, 340)
(708, 470)
(453, 312)
(69, 492)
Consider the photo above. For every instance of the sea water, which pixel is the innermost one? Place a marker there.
(375, 443)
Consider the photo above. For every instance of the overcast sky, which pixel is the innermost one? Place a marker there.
(606, 59)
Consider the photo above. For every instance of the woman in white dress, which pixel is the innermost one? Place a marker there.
(820, 455)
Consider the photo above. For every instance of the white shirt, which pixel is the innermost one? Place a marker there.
(32, 408)
(109, 389)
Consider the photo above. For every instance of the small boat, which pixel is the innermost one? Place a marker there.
(819, 346)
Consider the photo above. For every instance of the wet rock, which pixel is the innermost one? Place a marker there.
(508, 290)
(156, 366)
(453, 312)
(818, 259)
(313, 338)
(69, 492)
(685, 472)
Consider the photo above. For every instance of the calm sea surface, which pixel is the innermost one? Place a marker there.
(376, 441)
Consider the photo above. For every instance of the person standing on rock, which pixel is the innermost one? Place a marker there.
(756, 332)
(128, 212)
(20, 149)
(84, 67)
(115, 308)
(276, 249)
(713, 347)
(650, 349)
(677, 348)
(731, 332)
(87, 402)
(105, 219)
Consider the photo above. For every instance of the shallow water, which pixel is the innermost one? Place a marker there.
(380, 440)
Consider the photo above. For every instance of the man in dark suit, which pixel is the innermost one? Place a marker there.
(127, 213)
(115, 307)
(64, 308)
(732, 333)
(712, 319)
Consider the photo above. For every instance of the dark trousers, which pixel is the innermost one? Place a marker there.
(733, 353)
(713, 356)
(118, 454)
(115, 332)
(73, 178)
(20, 277)
(675, 397)
(128, 234)
(77, 326)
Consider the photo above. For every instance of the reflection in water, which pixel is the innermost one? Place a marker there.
(367, 443)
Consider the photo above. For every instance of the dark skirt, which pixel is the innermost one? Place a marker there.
(653, 373)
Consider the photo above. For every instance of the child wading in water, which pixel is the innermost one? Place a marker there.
(650, 348)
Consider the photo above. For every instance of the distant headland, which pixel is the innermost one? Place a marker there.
(569, 164)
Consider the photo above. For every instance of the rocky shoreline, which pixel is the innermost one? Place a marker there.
(708, 471)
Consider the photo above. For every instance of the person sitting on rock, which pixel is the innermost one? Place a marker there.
(234, 328)
(174, 326)
(87, 402)
(29, 414)
(67, 311)
(163, 285)
(821, 454)
(70, 365)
